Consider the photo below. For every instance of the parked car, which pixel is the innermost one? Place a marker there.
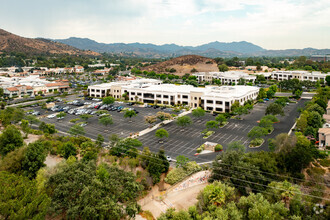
(82, 124)
(169, 159)
(36, 113)
(51, 116)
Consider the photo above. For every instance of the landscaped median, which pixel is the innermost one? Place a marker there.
(208, 147)
(264, 128)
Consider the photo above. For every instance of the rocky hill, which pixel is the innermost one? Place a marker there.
(185, 64)
(13, 43)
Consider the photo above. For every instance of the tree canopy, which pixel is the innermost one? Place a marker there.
(10, 139)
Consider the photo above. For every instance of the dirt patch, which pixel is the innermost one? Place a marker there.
(52, 160)
(31, 138)
(184, 64)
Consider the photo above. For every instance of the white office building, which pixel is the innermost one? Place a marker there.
(300, 75)
(226, 78)
(212, 98)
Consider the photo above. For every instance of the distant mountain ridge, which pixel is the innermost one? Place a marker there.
(212, 49)
(13, 43)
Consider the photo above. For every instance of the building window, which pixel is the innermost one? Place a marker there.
(195, 98)
(185, 96)
(139, 93)
(209, 101)
(165, 96)
(132, 93)
(218, 102)
(158, 96)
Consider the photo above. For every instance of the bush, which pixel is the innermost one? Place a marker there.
(74, 120)
(256, 142)
(208, 134)
(199, 150)
(325, 162)
(218, 147)
(175, 175)
(36, 132)
(180, 173)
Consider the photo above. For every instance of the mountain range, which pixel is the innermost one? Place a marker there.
(213, 49)
(86, 47)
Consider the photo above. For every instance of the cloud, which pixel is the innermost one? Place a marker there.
(269, 23)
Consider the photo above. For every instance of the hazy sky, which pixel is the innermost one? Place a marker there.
(271, 24)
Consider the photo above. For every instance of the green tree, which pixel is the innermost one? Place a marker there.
(161, 133)
(223, 68)
(69, 150)
(84, 191)
(25, 126)
(266, 123)
(76, 130)
(231, 167)
(298, 93)
(10, 139)
(106, 120)
(129, 114)
(12, 162)
(262, 94)
(257, 132)
(198, 112)
(274, 109)
(181, 161)
(20, 198)
(11, 115)
(183, 121)
(85, 117)
(236, 146)
(32, 119)
(327, 79)
(212, 124)
(221, 119)
(61, 115)
(47, 128)
(256, 206)
(108, 100)
(34, 159)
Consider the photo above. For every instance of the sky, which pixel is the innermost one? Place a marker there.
(271, 24)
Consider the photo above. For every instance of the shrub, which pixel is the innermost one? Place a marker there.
(199, 150)
(175, 175)
(218, 147)
(256, 142)
(325, 162)
(74, 120)
(192, 167)
(180, 173)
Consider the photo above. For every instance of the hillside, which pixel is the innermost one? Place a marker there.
(185, 64)
(13, 43)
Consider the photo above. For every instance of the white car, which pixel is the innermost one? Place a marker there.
(169, 159)
(51, 116)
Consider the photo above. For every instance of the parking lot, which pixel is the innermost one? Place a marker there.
(121, 126)
(185, 142)
(181, 141)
